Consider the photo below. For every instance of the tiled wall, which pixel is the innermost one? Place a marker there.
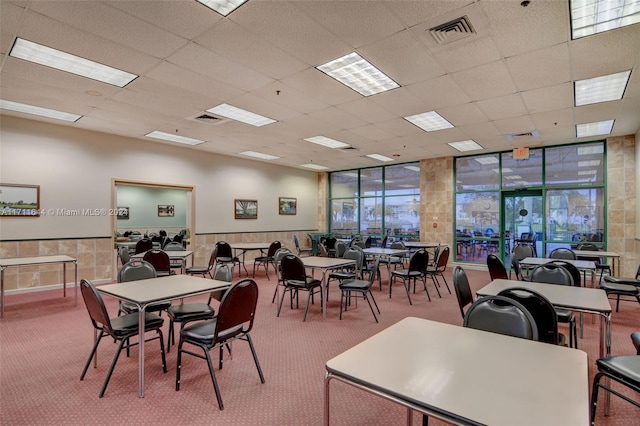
(95, 260)
(436, 189)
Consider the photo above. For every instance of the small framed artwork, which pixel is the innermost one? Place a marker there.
(19, 200)
(123, 213)
(165, 211)
(246, 209)
(287, 205)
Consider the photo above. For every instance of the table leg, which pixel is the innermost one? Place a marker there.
(409, 416)
(2, 292)
(75, 302)
(141, 327)
(326, 415)
(64, 279)
(605, 351)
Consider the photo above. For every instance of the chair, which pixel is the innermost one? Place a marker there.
(204, 270)
(515, 267)
(562, 253)
(522, 250)
(394, 260)
(552, 273)
(160, 261)
(277, 258)
(601, 265)
(121, 329)
(123, 253)
(349, 286)
(635, 339)
(622, 287)
(174, 246)
(417, 267)
(234, 321)
(497, 270)
(143, 245)
(225, 256)
(462, 288)
(347, 273)
(268, 259)
(330, 244)
(541, 310)
(573, 270)
(499, 314)
(341, 248)
(302, 250)
(189, 312)
(436, 271)
(295, 279)
(133, 271)
(623, 369)
(323, 250)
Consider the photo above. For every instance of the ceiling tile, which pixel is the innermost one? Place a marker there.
(503, 107)
(486, 81)
(549, 98)
(540, 68)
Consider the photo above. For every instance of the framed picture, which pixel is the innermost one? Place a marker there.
(287, 205)
(19, 200)
(246, 209)
(165, 211)
(123, 213)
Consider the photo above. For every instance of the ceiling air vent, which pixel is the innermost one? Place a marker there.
(206, 117)
(523, 135)
(349, 148)
(451, 31)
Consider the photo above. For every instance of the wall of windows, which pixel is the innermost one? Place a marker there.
(555, 198)
(379, 201)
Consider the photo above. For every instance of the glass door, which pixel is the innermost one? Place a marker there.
(522, 221)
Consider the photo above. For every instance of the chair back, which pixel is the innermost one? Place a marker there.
(341, 248)
(273, 247)
(515, 265)
(212, 257)
(223, 273)
(359, 243)
(173, 246)
(590, 247)
(354, 254)
(383, 244)
(462, 288)
(323, 250)
(123, 252)
(562, 253)
(520, 251)
(419, 261)
(296, 242)
(497, 270)
(178, 238)
(292, 268)
(443, 259)
(367, 242)
(573, 270)
(237, 310)
(136, 270)
(373, 274)
(143, 245)
(436, 253)
(95, 306)
(540, 309)
(398, 245)
(551, 273)
(499, 314)
(330, 243)
(224, 249)
(159, 259)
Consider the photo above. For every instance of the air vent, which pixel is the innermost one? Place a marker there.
(206, 117)
(523, 135)
(452, 31)
(350, 148)
(209, 119)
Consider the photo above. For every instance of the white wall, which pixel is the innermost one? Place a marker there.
(75, 169)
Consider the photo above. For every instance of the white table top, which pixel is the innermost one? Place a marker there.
(325, 262)
(152, 290)
(562, 296)
(467, 374)
(250, 246)
(595, 253)
(580, 264)
(421, 244)
(376, 251)
(35, 260)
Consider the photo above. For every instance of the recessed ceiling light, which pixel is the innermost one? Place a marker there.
(379, 157)
(314, 166)
(34, 52)
(355, 72)
(223, 7)
(260, 155)
(589, 163)
(429, 121)
(512, 177)
(468, 145)
(240, 114)
(601, 89)
(35, 110)
(328, 142)
(590, 149)
(591, 17)
(594, 129)
(504, 170)
(412, 168)
(174, 138)
(487, 160)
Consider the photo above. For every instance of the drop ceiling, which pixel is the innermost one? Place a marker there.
(513, 75)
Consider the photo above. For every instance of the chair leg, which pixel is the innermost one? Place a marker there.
(216, 388)
(445, 282)
(93, 352)
(407, 287)
(341, 302)
(284, 292)
(164, 359)
(364, 296)
(618, 303)
(255, 357)
(113, 365)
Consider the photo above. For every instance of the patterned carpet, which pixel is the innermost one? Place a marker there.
(45, 341)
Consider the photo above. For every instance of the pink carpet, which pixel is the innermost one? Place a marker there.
(45, 341)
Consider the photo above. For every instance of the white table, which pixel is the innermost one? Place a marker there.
(143, 293)
(181, 255)
(40, 260)
(584, 265)
(421, 244)
(245, 247)
(377, 251)
(325, 264)
(467, 376)
(615, 257)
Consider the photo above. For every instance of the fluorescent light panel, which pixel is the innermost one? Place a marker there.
(314, 166)
(174, 138)
(589, 163)
(587, 172)
(43, 55)
(355, 72)
(429, 121)
(240, 114)
(328, 142)
(468, 145)
(260, 155)
(590, 149)
(36, 110)
(223, 7)
(595, 16)
(601, 89)
(412, 168)
(595, 128)
(487, 160)
(379, 157)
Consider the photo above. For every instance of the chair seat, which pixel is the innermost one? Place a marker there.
(310, 283)
(625, 367)
(622, 289)
(128, 307)
(197, 270)
(203, 332)
(190, 312)
(128, 324)
(406, 273)
(355, 285)
(564, 315)
(619, 280)
(342, 275)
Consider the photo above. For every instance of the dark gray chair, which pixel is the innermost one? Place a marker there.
(349, 273)
(123, 253)
(522, 250)
(417, 267)
(143, 245)
(160, 261)
(225, 256)
(499, 314)
(362, 287)
(121, 329)
(277, 258)
(138, 270)
(204, 270)
(268, 259)
(175, 246)
(233, 322)
(302, 250)
(600, 263)
(562, 253)
(622, 287)
(497, 270)
(438, 270)
(296, 279)
(462, 288)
